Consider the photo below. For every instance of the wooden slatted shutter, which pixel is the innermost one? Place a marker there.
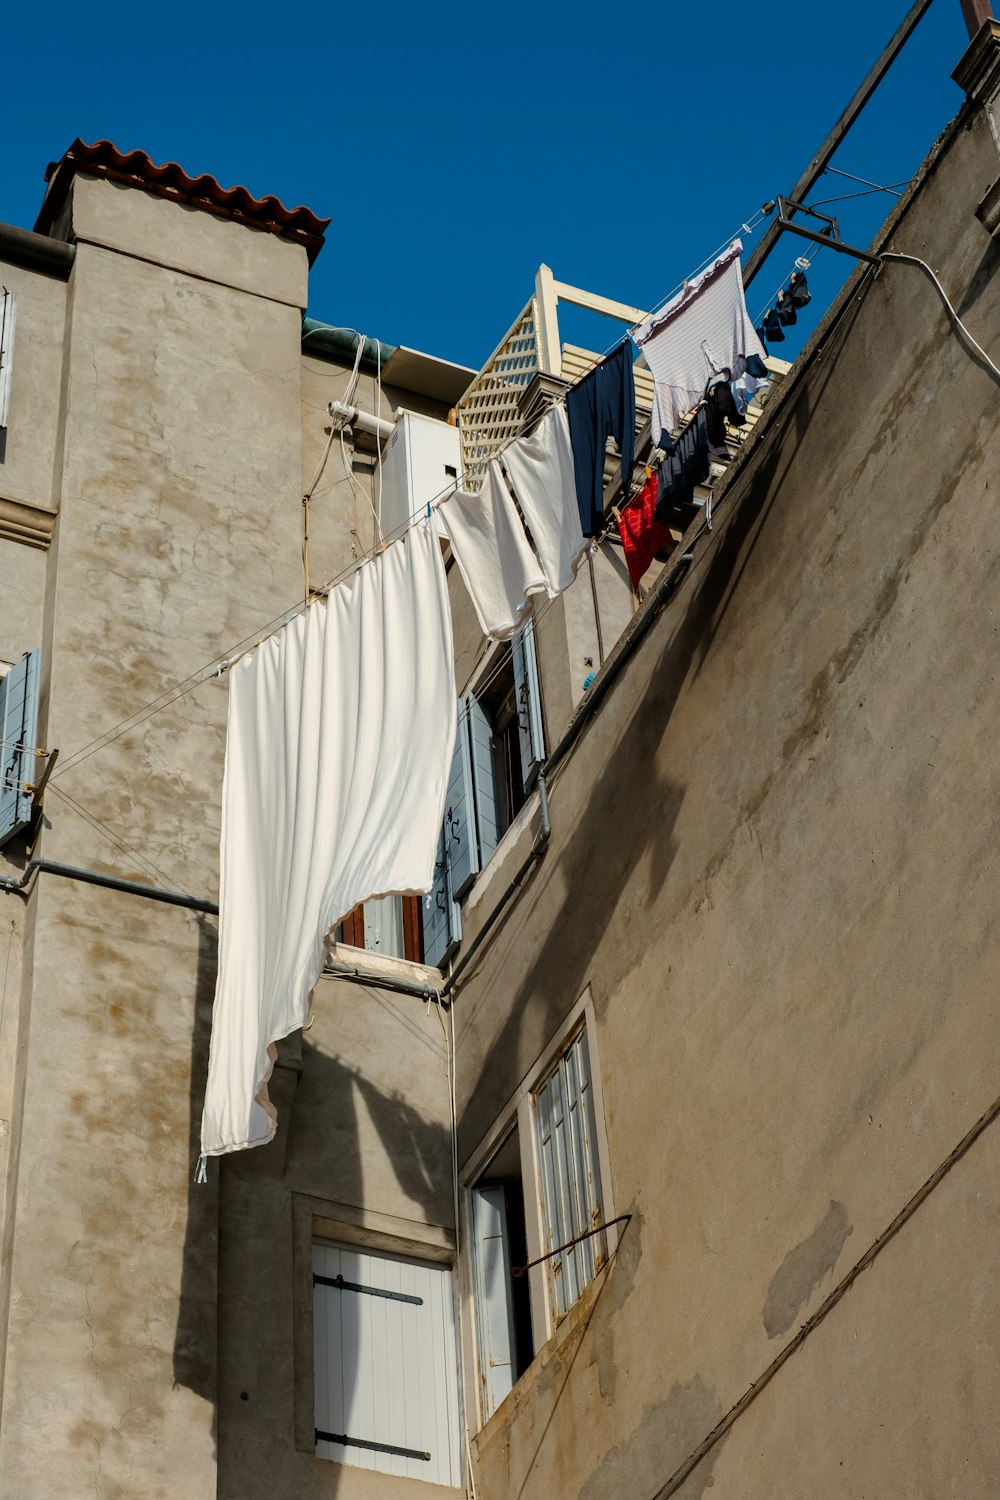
(483, 779)
(18, 739)
(529, 704)
(386, 1364)
(442, 916)
(461, 847)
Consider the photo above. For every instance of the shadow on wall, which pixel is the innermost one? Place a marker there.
(241, 1341)
(637, 809)
(195, 1341)
(637, 806)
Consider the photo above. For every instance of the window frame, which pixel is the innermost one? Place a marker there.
(519, 1113)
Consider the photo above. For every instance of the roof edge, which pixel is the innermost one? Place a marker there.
(170, 181)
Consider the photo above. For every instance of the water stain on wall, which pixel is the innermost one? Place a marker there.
(803, 1268)
(667, 1433)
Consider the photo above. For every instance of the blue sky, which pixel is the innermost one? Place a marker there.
(458, 147)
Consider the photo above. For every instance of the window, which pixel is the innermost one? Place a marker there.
(499, 748)
(18, 740)
(569, 1174)
(389, 925)
(503, 1304)
(6, 353)
(542, 1189)
(385, 1364)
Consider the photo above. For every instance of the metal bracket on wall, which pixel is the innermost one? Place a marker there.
(352, 1442)
(341, 1285)
(828, 236)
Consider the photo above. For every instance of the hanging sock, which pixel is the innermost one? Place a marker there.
(643, 536)
(786, 310)
(798, 290)
(757, 368)
(599, 406)
(772, 329)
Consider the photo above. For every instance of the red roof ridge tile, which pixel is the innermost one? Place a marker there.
(103, 159)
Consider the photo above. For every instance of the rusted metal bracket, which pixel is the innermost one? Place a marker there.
(35, 789)
(828, 236)
(586, 1235)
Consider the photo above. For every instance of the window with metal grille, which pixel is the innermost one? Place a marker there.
(386, 1364)
(569, 1176)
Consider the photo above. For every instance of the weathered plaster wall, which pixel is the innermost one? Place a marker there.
(773, 860)
(143, 1307)
(363, 1154)
(28, 456)
(181, 457)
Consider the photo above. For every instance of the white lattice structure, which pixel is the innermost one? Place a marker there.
(489, 414)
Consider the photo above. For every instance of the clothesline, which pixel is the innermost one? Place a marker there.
(219, 663)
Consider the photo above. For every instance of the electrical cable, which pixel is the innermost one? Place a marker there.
(838, 172)
(116, 839)
(914, 260)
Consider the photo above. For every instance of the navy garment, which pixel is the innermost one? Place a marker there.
(757, 368)
(685, 465)
(602, 404)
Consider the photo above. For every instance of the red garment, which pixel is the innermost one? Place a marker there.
(641, 533)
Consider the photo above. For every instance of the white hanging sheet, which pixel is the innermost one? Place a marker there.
(543, 477)
(703, 330)
(341, 731)
(493, 553)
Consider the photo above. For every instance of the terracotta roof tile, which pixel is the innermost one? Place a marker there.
(103, 159)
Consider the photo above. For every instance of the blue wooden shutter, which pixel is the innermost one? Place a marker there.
(461, 846)
(494, 1316)
(18, 736)
(484, 779)
(442, 917)
(529, 704)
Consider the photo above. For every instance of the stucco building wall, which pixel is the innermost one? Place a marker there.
(773, 863)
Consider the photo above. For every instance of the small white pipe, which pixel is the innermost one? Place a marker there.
(352, 417)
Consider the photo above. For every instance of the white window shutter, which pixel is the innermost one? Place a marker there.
(18, 740)
(386, 1364)
(483, 779)
(529, 704)
(7, 313)
(494, 1315)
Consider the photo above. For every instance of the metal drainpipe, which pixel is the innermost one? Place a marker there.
(22, 247)
(341, 344)
(110, 882)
